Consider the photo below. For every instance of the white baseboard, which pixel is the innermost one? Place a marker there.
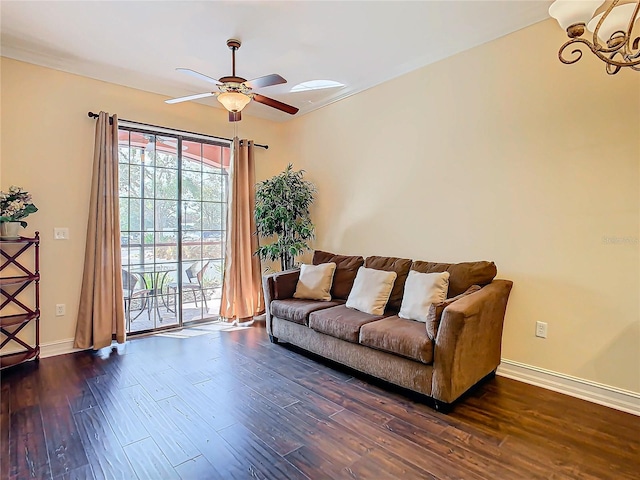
(606, 395)
(60, 347)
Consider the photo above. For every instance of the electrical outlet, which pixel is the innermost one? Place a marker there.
(541, 329)
(60, 309)
(61, 233)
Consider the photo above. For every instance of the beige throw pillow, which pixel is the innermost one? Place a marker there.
(436, 310)
(315, 281)
(421, 291)
(371, 290)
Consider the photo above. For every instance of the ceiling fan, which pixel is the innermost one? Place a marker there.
(236, 92)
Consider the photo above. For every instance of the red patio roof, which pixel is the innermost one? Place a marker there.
(213, 155)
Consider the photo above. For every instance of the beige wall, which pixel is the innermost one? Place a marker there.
(499, 153)
(47, 148)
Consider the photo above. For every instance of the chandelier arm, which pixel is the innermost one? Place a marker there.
(609, 60)
(601, 54)
(632, 51)
(598, 47)
(612, 69)
(597, 29)
(577, 52)
(631, 55)
(632, 21)
(624, 45)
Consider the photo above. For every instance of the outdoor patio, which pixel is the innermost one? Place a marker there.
(151, 317)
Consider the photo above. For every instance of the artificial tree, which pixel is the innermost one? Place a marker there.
(282, 211)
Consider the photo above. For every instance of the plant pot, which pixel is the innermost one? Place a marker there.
(9, 230)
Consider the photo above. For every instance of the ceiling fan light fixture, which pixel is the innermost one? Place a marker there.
(234, 101)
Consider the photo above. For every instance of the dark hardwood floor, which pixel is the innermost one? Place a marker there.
(228, 404)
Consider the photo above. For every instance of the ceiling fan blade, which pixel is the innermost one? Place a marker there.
(190, 97)
(266, 81)
(235, 116)
(199, 75)
(275, 104)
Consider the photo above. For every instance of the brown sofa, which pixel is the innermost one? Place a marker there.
(465, 347)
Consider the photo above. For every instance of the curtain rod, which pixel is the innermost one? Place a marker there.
(95, 115)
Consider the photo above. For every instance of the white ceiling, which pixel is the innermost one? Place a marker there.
(360, 44)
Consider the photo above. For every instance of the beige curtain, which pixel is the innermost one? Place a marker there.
(101, 312)
(242, 296)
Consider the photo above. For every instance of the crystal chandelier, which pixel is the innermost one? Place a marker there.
(613, 31)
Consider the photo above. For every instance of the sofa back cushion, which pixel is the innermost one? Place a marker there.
(346, 269)
(392, 264)
(461, 275)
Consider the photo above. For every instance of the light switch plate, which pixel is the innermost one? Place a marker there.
(541, 329)
(61, 233)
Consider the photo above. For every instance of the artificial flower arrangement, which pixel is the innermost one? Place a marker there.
(16, 205)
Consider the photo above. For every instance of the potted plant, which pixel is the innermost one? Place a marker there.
(282, 211)
(14, 206)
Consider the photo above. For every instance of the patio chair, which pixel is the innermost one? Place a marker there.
(195, 275)
(129, 284)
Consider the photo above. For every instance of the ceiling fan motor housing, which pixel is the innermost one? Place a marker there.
(237, 80)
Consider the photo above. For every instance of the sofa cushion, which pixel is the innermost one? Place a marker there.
(435, 311)
(297, 310)
(346, 269)
(341, 322)
(391, 264)
(284, 284)
(461, 275)
(406, 338)
(371, 290)
(420, 292)
(315, 281)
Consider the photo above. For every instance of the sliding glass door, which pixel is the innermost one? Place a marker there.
(173, 203)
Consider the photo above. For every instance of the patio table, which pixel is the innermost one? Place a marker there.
(156, 274)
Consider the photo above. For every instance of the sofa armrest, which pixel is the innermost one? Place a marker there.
(278, 286)
(469, 340)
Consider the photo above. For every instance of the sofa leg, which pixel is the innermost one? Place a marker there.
(273, 339)
(442, 407)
